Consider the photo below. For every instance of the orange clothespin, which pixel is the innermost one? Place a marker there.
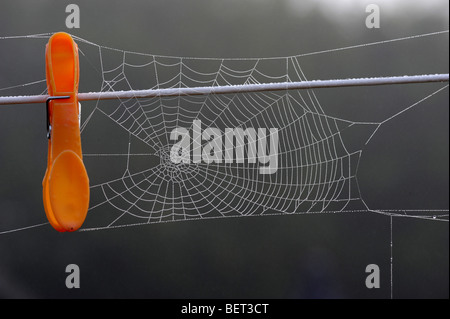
(66, 183)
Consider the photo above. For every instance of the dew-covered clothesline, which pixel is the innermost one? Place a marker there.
(233, 89)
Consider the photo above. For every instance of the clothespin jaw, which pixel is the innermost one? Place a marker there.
(66, 183)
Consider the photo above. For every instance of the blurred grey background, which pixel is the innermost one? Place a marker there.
(405, 166)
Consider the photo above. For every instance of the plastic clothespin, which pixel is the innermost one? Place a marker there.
(66, 183)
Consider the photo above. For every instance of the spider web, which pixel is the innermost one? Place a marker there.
(317, 165)
(127, 146)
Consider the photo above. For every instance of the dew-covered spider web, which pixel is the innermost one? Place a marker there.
(129, 152)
